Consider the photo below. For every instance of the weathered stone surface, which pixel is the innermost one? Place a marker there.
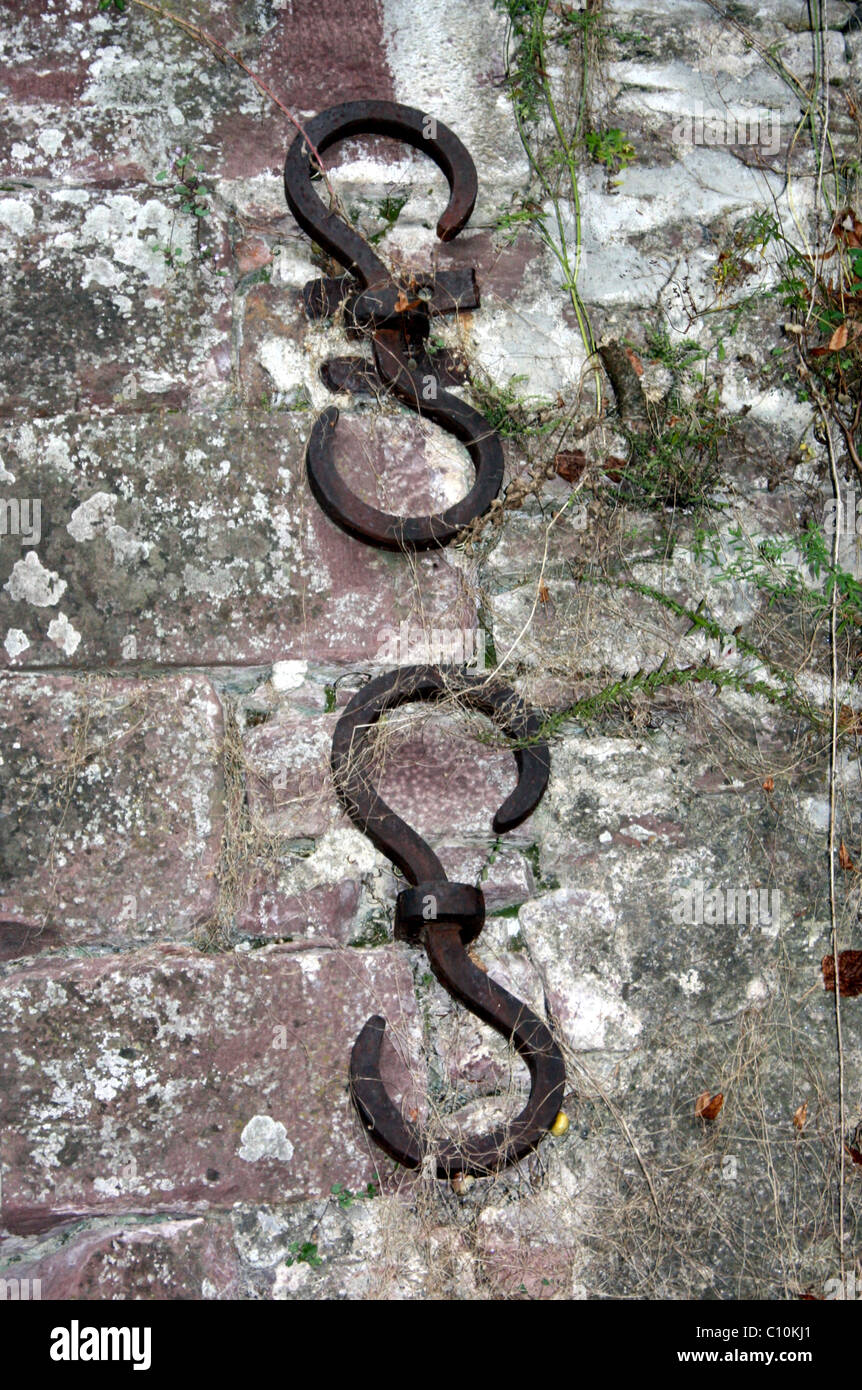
(289, 782)
(420, 44)
(636, 633)
(194, 539)
(346, 38)
(326, 912)
(525, 1254)
(94, 95)
(635, 833)
(188, 1260)
(698, 791)
(171, 1081)
(111, 809)
(586, 991)
(343, 891)
(81, 85)
(505, 875)
(96, 315)
(440, 779)
(428, 768)
(366, 1248)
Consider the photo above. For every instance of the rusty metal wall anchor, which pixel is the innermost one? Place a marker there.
(398, 315)
(460, 916)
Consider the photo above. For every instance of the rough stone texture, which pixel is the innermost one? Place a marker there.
(83, 85)
(111, 811)
(94, 314)
(176, 1082)
(172, 792)
(149, 553)
(168, 1260)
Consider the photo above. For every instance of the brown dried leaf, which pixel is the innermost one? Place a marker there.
(844, 858)
(800, 1115)
(848, 228)
(839, 338)
(849, 973)
(635, 361)
(768, 785)
(707, 1106)
(615, 468)
(402, 303)
(570, 465)
(855, 1154)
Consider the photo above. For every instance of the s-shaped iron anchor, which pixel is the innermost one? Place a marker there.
(397, 314)
(445, 918)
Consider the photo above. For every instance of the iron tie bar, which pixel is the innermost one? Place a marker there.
(398, 317)
(458, 918)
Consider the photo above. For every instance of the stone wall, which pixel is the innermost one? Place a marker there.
(191, 931)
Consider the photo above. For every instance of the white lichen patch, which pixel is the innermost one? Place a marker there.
(173, 1025)
(216, 583)
(92, 517)
(98, 270)
(16, 642)
(757, 991)
(32, 583)
(690, 983)
(290, 1279)
(340, 853)
(50, 139)
(309, 965)
(288, 675)
(287, 365)
(95, 517)
(592, 1010)
(55, 452)
(113, 1073)
(264, 1137)
(16, 215)
(120, 224)
(64, 635)
(816, 810)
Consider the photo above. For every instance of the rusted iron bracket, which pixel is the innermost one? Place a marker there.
(445, 917)
(397, 314)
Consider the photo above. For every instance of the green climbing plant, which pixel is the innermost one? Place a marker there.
(535, 26)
